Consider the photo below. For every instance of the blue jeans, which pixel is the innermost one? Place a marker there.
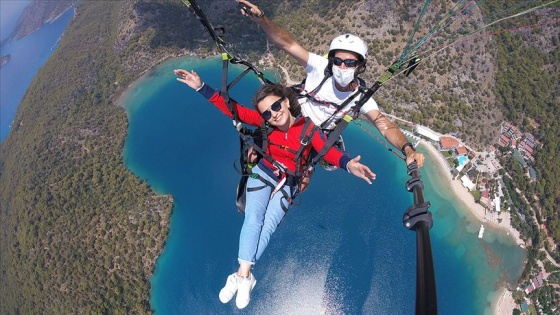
(262, 216)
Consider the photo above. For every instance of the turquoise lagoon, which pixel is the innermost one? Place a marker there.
(342, 250)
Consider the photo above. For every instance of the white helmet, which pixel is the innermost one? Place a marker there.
(351, 43)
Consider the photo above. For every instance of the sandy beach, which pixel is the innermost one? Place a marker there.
(505, 304)
(490, 218)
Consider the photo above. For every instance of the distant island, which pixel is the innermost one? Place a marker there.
(4, 60)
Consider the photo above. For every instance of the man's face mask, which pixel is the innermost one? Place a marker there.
(343, 76)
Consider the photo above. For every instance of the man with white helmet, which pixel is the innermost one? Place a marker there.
(331, 81)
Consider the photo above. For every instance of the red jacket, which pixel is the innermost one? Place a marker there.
(281, 145)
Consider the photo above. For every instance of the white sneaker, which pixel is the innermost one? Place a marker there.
(244, 291)
(229, 290)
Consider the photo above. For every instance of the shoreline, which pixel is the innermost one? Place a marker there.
(477, 210)
(504, 302)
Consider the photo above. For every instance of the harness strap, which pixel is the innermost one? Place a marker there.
(333, 137)
(273, 186)
(224, 90)
(239, 77)
(343, 123)
(309, 128)
(278, 165)
(343, 105)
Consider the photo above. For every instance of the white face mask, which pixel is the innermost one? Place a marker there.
(343, 76)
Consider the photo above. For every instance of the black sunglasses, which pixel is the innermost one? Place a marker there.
(276, 106)
(350, 63)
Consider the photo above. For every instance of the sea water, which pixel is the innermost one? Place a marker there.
(342, 250)
(27, 56)
(10, 12)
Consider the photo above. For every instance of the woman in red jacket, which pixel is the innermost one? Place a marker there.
(264, 208)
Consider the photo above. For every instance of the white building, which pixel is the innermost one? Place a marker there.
(466, 181)
(427, 132)
(497, 204)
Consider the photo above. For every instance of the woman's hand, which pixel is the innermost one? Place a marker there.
(189, 78)
(360, 170)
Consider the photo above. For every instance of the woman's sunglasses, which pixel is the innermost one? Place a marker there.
(276, 106)
(350, 63)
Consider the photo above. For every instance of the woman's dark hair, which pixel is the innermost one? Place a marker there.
(280, 91)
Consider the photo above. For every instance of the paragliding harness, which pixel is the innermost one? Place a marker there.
(310, 96)
(302, 93)
(257, 142)
(256, 139)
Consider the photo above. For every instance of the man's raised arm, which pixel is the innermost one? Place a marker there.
(276, 34)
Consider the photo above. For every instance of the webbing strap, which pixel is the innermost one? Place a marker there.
(333, 137)
(343, 123)
(199, 14)
(269, 183)
(239, 77)
(224, 90)
(309, 128)
(342, 106)
(248, 140)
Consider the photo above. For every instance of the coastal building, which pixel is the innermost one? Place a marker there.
(527, 146)
(427, 132)
(497, 205)
(448, 143)
(467, 182)
(504, 141)
(530, 140)
(535, 283)
(511, 131)
(462, 150)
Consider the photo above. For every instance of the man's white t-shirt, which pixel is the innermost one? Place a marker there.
(321, 111)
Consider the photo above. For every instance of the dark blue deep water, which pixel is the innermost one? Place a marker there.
(343, 250)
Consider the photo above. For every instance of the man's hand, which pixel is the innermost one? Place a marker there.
(249, 9)
(415, 156)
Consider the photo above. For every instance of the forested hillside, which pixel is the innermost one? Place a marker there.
(80, 233)
(527, 91)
